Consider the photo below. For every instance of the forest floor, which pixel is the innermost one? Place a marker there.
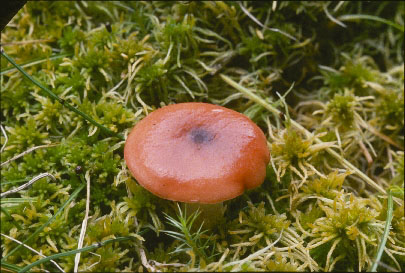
(323, 80)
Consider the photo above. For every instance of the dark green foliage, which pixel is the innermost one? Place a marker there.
(70, 38)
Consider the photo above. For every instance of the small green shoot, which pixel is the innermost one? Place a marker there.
(191, 240)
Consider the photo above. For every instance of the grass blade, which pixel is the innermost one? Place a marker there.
(15, 181)
(72, 252)
(61, 101)
(381, 246)
(10, 267)
(34, 62)
(349, 17)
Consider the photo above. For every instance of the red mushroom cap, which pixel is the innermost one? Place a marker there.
(197, 153)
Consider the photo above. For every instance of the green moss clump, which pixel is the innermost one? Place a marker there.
(25, 136)
(341, 108)
(390, 110)
(328, 186)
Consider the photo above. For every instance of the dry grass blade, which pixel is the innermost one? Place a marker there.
(33, 250)
(29, 183)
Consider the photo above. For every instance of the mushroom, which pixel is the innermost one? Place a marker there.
(197, 153)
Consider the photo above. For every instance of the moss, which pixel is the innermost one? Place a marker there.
(356, 75)
(105, 227)
(25, 136)
(15, 102)
(70, 38)
(328, 186)
(14, 172)
(140, 199)
(309, 217)
(341, 108)
(118, 61)
(350, 224)
(293, 148)
(391, 110)
(280, 264)
(257, 221)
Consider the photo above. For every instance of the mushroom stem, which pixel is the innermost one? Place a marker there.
(210, 214)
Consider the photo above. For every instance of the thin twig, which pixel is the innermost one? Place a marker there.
(36, 178)
(164, 264)
(144, 261)
(325, 9)
(84, 223)
(5, 135)
(28, 151)
(26, 42)
(366, 153)
(380, 135)
(263, 26)
(217, 264)
(33, 250)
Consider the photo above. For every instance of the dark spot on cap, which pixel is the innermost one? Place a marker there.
(199, 135)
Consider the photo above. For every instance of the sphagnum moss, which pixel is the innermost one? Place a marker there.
(337, 66)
